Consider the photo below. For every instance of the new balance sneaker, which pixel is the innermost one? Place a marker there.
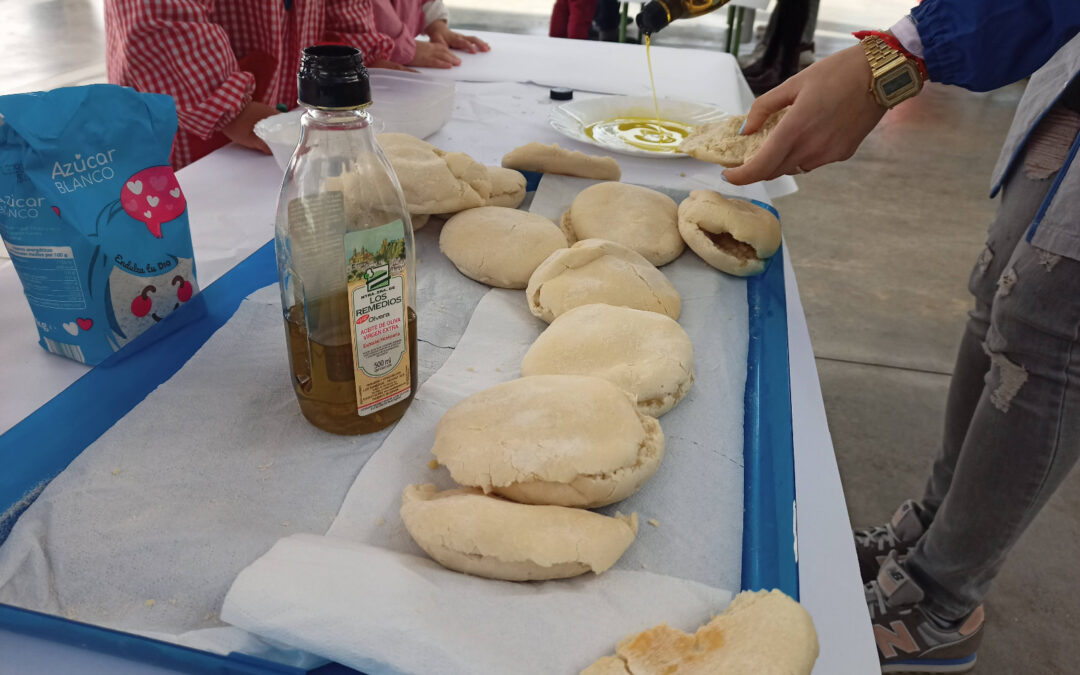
(909, 639)
(873, 545)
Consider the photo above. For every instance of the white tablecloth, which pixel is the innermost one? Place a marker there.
(231, 199)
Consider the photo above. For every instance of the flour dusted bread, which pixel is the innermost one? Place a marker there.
(760, 633)
(507, 187)
(553, 159)
(597, 271)
(468, 531)
(644, 353)
(568, 440)
(434, 181)
(499, 246)
(720, 142)
(732, 235)
(636, 217)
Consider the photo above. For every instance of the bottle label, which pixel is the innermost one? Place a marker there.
(375, 263)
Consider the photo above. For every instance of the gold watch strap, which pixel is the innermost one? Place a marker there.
(879, 54)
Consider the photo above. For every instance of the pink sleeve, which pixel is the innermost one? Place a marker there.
(391, 23)
(352, 22)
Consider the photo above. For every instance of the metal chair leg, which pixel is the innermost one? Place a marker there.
(730, 23)
(740, 12)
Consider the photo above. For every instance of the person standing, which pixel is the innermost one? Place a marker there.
(1012, 421)
(572, 19)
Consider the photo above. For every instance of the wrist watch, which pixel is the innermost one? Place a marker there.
(896, 77)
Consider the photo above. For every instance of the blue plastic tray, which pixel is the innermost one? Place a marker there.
(106, 393)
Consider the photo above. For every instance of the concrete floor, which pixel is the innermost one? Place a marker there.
(882, 246)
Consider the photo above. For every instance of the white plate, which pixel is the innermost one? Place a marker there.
(571, 119)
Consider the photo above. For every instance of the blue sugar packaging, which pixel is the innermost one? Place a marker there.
(92, 215)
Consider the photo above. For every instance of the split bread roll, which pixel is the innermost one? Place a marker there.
(434, 181)
(507, 187)
(597, 271)
(468, 531)
(553, 159)
(720, 142)
(760, 633)
(644, 353)
(732, 235)
(644, 220)
(499, 246)
(568, 440)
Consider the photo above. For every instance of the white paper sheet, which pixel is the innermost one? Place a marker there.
(147, 527)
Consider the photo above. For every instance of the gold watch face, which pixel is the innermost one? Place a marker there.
(898, 84)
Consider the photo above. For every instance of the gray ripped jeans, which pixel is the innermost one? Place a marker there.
(1012, 428)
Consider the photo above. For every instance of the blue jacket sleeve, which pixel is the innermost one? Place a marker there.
(985, 44)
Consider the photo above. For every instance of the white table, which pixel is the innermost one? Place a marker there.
(231, 198)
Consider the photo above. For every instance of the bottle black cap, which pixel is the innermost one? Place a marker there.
(654, 16)
(561, 94)
(333, 76)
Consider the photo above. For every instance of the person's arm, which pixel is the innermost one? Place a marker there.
(977, 45)
(173, 48)
(986, 44)
(353, 22)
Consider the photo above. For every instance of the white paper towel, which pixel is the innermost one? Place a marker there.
(485, 626)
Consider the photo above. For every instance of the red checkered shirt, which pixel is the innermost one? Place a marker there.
(214, 57)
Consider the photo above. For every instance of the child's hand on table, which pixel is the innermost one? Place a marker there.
(440, 33)
(242, 129)
(434, 55)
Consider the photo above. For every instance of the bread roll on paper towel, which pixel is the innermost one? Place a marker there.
(597, 271)
(732, 235)
(568, 440)
(645, 353)
(468, 531)
(641, 219)
(760, 633)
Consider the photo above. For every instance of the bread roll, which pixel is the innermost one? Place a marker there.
(597, 271)
(419, 220)
(507, 187)
(434, 181)
(468, 531)
(499, 246)
(568, 440)
(760, 633)
(644, 353)
(553, 159)
(641, 219)
(720, 142)
(732, 235)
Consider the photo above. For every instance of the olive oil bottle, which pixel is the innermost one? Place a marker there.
(345, 258)
(656, 14)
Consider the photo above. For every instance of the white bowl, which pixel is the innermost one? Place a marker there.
(571, 119)
(401, 102)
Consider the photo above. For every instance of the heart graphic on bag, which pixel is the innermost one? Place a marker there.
(85, 324)
(71, 328)
(165, 205)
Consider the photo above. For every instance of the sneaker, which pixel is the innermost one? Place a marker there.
(909, 639)
(874, 545)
